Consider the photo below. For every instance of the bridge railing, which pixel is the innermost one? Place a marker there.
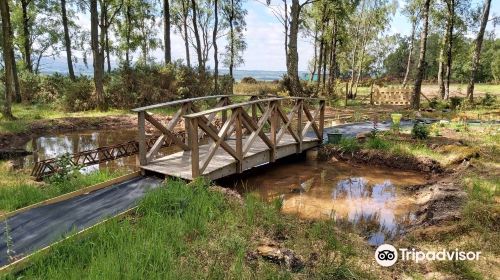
(147, 153)
(252, 118)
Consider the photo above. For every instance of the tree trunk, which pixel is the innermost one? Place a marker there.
(27, 35)
(333, 57)
(15, 77)
(286, 31)
(231, 44)
(451, 20)
(477, 50)
(410, 52)
(216, 54)
(8, 54)
(98, 55)
(320, 56)
(293, 55)
(415, 99)
(129, 31)
(185, 25)
(106, 35)
(197, 34)
(325, 55)
(166, 31)
(67, 40)
(315, 58)
(441, 89)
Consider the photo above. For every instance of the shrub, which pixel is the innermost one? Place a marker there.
(79, 94)
(29, 84)
(455, 102)
(488, 100)
(349, 144)
(377, 143)
(226, 83)
(420, 131)
(248, 80)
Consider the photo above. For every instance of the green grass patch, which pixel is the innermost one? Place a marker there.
(184, 231)
(25, 193)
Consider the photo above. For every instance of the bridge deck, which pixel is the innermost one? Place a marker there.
(223, 164)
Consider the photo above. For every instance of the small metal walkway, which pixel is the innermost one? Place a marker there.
(231, 137)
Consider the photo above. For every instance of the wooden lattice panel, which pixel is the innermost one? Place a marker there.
(392, 96)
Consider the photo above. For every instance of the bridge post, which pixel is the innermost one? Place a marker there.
(322, 118)
(188, 110)
(193, 144)
(239, 140)
(299, 123)
(142, 137)
(274, 129)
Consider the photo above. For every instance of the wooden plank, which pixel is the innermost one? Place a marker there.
(193, 143)
(239, 140)
(287, 120)
(257, 129)
(299, 125)
(230, 107)
(159, 142)
(177, 102)
(165, 131)
(141, 138)
(222, 136)
(210, 132)
(311, 121)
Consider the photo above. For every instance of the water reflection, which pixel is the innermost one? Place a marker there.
(368, 197)
(50, 146)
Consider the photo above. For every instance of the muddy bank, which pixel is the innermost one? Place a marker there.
(12, 141)
(378, 158)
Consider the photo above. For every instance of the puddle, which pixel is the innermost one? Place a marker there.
(51, 146)
(370, 198)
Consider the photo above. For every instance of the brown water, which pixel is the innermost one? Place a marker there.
(370, 198)
(50, 146)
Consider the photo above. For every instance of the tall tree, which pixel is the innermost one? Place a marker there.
(196, 31)
(234, 14)
(411, 10)
(98, 55)
(415, 100)
(450, 4)
(477, 50)
(214, 42)
(8, 53)
(26, 22)
(67, 40)
(166, 31)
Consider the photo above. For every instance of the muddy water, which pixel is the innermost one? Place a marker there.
(369, 198)
(50, 146)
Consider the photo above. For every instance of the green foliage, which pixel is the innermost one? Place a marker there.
(420, 131)
(17, 196)
(377, 143)
(455, 102)
(79, 95)
(349, 145)
(488, 100)
(65, 169)
(248, 80)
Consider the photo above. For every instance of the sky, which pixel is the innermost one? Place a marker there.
(265, 37)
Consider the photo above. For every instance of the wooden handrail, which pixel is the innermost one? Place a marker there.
(177, 102)
(182, 101)
(230, 107)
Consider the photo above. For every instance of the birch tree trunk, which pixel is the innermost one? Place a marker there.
(415, 99)
(477, 50)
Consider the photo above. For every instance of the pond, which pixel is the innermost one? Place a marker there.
(370, 198)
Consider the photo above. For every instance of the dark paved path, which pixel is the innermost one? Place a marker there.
(39, 227)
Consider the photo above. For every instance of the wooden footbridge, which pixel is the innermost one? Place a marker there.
(229, 137)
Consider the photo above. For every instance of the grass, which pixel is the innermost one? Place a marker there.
(27, 114)
(191, 232)
(17, 190)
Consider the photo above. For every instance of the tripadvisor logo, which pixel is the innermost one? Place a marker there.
(386, 255)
